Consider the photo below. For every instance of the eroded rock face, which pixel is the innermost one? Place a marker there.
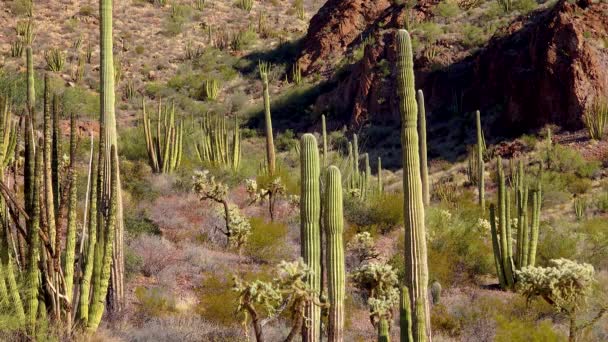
(545, 68)
(334, 28)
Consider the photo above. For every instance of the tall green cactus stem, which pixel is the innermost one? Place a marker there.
(480, 163)
(356, 173)
(350, 164)
(536, 206)
(87, 273)
(33, 275)
(405, 315)
(165, 147)
(324, 135)
(236, 145)
(366, 177)
(56, 155)
(216, 147)
(424, 169)
(108, 118)
(384, 334)
(416, 276)
(49, 198)
(380, 183)
(70, 239)
(31, 90)
(496, 248)
(334, 228)
(29, 144)
(504, 226)
(270, 155)
(310, 212)
(100, 292)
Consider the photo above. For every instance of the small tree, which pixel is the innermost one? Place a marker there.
(262, 302)
(565, 285)
(271, 189)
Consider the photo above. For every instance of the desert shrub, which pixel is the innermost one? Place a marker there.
(601, 203)
(447, 9)
(515, 330)
(556, 243)
(136, 180)
(154, 301)
(266, 242)
(565, 159)
(579, 186)
(444, 322)
(156, 252)
(181, 328)
(286, 141)
(217, 301)
(137, 224)
(524, 6)
(472, 36)
(81, 101)
(595, 238)
(458, 248)
(133, 263)
(382, 212)
(21, 7)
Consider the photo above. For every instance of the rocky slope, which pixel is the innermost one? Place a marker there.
(545, 67)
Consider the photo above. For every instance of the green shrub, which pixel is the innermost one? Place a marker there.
(381, 212)
(137, 224)
(524, 6)
(554, 243)
(568, 160)
(133, 263)
(286, 141)
(154, 301)
(267, 241)
(594, 233)
(447, 9)
(514, 330)
(443, 321)
(136, 179)
(601, 203)
(472, 36)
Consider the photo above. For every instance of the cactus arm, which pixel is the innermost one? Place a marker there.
(480, 162)
(424, 170)
(384, 334)
(405, 315)
(270, 155)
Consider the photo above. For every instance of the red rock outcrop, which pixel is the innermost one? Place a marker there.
(543, 68)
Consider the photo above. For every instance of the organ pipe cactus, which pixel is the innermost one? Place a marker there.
(527, 226)
(166, 145)
(216, 147)
(270, 154)
(480, 163)
(424, 170)
(334, 228)
(416, 276)
(405, 315)
(380, 182)
(324, 136)
(310, 212)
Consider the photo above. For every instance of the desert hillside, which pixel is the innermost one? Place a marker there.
(303, 170)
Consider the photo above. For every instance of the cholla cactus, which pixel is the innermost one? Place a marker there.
(272, 191)
(206, 186)
(378, 282)
(483, 226)
(265, 301)
(240, 228)
(361, 247)
(565, 284)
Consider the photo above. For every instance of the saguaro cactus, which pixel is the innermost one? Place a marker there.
(424, 169)
(334, 227)
(324, 135)
(380, 182)
(480, 163)
(108, 118)
(270, 155)
(405, 315)
(416, 276)
(310, 212)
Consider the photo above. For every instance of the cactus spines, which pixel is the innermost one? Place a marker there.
(480, 163)
(415, 233)
(424, 170)
(33, 251)
(70, 244)
(334, 227)
(310, 212)
(405, 315)
(270, 155)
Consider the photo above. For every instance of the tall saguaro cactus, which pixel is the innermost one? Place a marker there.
(480, 163)
(270, 155)
(334, 227)
(108, 119)
(416, 276)
(310, 230)
(424, 169)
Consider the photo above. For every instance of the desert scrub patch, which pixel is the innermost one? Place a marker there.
(155, 301)
(566, 159)
(136, 180)
(515, 330)
(267, 241)
(556, 241)
(137, 224)
(447, 9)
(380, 213)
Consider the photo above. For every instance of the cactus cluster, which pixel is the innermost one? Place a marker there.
(359, 183)
(219, 146)
(504, 241)
(164, 144)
